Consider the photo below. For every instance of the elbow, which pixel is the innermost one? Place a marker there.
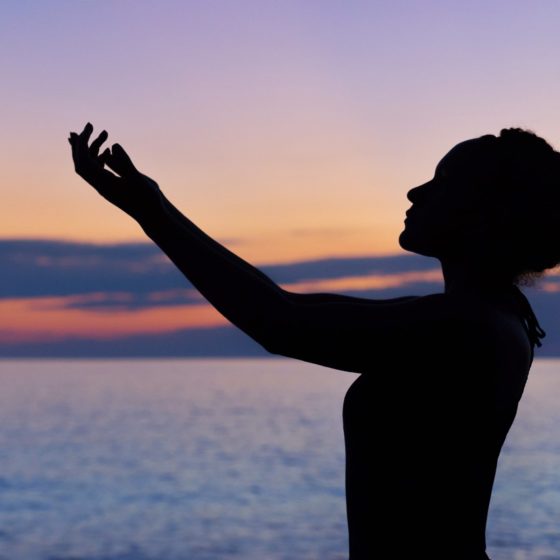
(281, 342)
(271, 338)
(269, 341)
(272, 348)
(273, 327)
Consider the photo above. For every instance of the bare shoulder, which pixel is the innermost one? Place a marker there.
(439, 307)
(497, 324)
(502, 342)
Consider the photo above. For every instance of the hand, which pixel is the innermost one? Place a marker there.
(126, 188)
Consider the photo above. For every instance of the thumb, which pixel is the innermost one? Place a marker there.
(120, 162)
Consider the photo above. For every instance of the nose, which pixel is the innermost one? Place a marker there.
(414, 195)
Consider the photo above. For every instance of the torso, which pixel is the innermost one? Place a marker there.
(423, 434)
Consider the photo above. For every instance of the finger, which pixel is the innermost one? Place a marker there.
(104, 157)
(81, 155)
(88, 129)
(109, 161)
(96, 144)
(97, 175)
(84, 163)
(86, 133)
(121, 162)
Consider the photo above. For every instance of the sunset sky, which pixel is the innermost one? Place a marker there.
(291, 131)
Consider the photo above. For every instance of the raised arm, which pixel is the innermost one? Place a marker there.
(243, 294)
(332, 330)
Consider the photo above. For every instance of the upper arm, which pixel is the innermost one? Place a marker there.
(353, 334)
(340, 298)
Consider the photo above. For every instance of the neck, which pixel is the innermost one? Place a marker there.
(464, 277)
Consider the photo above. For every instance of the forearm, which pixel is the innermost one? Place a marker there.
(243, 294)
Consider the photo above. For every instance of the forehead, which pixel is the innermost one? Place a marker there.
(468, 158)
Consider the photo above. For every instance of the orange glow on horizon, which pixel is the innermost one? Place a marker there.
(550, 287)
(371, 282)
(46, 319)
(54, 318)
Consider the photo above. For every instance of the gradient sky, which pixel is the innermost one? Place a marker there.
(289, 130)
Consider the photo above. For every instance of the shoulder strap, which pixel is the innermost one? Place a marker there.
(534, 330)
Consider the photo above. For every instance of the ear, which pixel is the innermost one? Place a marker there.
(477, 228)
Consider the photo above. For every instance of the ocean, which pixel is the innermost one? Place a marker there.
(221, 459)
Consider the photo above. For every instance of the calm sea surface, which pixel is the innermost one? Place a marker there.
(221, 459)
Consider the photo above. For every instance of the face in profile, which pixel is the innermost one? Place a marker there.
(448, 209)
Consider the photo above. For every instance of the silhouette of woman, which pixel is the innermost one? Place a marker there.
(442, 374)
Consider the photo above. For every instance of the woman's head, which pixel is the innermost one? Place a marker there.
(494, 200)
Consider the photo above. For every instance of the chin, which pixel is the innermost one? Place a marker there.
(413, 243)
(406, 240)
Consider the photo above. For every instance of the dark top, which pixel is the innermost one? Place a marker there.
(422, 443)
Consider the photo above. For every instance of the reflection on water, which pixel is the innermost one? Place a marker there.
(220, 459)
(171, 460)
(524, 520)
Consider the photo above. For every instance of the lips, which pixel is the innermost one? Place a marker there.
(410, 215)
